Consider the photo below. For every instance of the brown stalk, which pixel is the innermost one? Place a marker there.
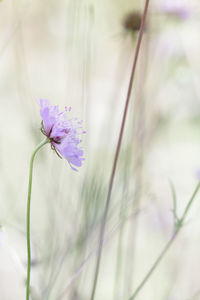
(102, 228)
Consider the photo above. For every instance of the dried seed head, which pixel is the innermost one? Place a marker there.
(132, 21)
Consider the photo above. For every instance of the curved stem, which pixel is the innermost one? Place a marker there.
(154, 266)
(178, 227)
(103, 224)
(45, 141)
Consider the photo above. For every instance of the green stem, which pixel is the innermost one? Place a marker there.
(178, 227)
(190, 202)
(45, 141)
(154, 266)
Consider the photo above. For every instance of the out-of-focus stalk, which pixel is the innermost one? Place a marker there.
(102, 227)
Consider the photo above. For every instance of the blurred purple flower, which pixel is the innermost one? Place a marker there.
(62, 132)
(197, 174)
(176, 9)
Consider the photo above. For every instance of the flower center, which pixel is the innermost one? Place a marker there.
(56, 140)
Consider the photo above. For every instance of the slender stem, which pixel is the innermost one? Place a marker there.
(190, 202)
(102, 228)
(178, 227)
(45, 141)
(154, 266)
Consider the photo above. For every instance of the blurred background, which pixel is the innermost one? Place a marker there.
(79, 54)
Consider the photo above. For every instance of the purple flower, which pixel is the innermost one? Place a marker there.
(62, 132)
(175, 8)
(197, 174)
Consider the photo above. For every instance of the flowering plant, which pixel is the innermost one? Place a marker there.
(62, 132)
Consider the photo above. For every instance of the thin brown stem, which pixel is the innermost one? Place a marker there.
(102, 228)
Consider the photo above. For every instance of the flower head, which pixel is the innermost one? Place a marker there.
(62, 132)
(132, 21)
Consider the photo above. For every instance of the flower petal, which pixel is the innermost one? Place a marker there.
(49, 114)
(71, 152)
